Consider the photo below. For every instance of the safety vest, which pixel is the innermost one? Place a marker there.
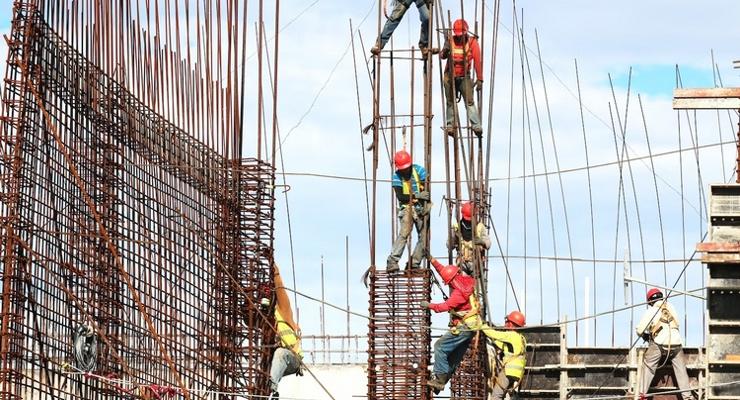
(460, 55)
(466, 247)
(469, 318)
(288, 338)
(514, 347)
(407, 189)
(666, 318)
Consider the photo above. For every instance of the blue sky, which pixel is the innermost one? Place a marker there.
(605, 38)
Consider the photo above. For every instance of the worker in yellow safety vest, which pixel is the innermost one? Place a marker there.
(288, 355)
(510, 347)
(468, 240)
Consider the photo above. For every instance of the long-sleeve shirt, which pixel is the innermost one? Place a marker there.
(459, 301)
(667, 336)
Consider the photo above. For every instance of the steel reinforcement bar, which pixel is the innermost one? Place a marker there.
(399, 335)
(191, 231)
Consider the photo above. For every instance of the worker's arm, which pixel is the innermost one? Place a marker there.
(647, 318)
(482, 238)
(456, 299)
(445, 50)
(505, 336)
(452, 241)
(477, 64)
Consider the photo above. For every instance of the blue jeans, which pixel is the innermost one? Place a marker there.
(449, 351)
(397, 15)
(284, 362)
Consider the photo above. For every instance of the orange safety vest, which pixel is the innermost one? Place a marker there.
(460, 58)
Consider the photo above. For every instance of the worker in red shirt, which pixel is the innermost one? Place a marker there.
(463, 51)
(464, 309)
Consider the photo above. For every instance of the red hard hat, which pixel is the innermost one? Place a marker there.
(459, 27)
(467, 211)
(402, 159)
(447, 272)
(516, 318)
(654, 292)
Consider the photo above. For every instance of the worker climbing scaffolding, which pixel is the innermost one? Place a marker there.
(468, 241)
(399, 10)
(462, 51)
(413, 209)
(396, 295)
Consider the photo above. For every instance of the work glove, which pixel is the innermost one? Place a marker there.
(423, 195)
(479, 241)
(479, 85)
(444, 53)
(424, 304)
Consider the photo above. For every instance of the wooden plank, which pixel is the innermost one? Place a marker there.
(706, 103)
(702, 93)
(718, 247)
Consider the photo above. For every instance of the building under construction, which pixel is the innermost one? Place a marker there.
(138, 216)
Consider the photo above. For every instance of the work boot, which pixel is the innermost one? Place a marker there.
(478, 131)
(411, 265)
(391, 267)
(438, 383)
(450, 130)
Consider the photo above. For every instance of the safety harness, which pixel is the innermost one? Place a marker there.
(666, 318)
(407, 189)
(288, 338)
(470, 319)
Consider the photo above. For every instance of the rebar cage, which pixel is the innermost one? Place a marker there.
(116, 220)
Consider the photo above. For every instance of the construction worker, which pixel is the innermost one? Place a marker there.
(413, 207)
(464, 51)
(659, 327)
(465, 321)
(465, 242)
(510, 348)
(395, 18)
(287, 357)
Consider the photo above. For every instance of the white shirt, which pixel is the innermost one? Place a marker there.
(667, 336)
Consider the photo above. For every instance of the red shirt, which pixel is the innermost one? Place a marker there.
(462, 287)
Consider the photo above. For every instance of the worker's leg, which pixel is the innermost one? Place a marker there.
(444, 346)
(423, 8)
(456, 356)
(404, 230)
(281, 360)
(466, 87)
(449, 101)
(421, 221)
(502, 386)
(649, 364)
(393, 20)
(679, 370)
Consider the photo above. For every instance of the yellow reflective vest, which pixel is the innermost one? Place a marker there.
(288, 337)
(514, 347)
